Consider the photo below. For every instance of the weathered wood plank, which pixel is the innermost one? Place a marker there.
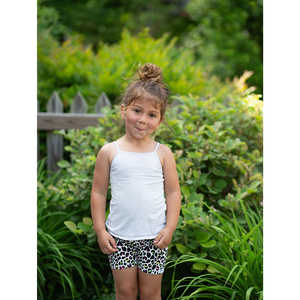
(55, 119)
(102, 102)
(51, 121)
(36, 134)
(54, 141)
(54, 104)
(79, 106)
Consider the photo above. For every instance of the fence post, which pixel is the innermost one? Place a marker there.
(36, 134)
(78, 106)
(54, 141)
(102, 102)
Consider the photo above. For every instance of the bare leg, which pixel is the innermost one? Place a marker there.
(126, 283)
(149, 286)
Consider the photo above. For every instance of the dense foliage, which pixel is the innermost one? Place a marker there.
(73, 67)
(226, 36)
(216, 139)
(223, 37)
(213, 128)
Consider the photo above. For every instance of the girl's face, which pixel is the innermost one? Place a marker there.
(141, 117)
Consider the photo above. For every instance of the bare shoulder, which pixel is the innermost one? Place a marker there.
(165, 150)
(108, 147)
(165, 155)
(108, 152)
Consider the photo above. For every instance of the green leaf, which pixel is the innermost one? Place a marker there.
(223, 202)
(68, 148)
(248, 293)
(240, 165)
(73, 188)
(40, 185)
(220, 184)
(210, 128)
(254, 185)
(261, 295)
(202, 179)
(212, 190)
(85, 204)
(195, 174)
(185, 190)
(184, 166)
(178, 143)
(181, 248)
(87, 221)
(179, 167)
(202, 237)
(209, 244)
(82, 177)
(71, 225)
(219, 171)
(63, 164)
(172, 122)
(84, 227)
(187, 214)
(199, 266)
(212, 269)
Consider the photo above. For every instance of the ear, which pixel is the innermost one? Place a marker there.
(123, 111)
(160, 122)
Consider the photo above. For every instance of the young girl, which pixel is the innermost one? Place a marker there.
(145, 203)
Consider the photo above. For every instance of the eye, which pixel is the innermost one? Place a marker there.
(137, 111)
(152, 116)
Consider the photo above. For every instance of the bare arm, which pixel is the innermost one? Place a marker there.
(173, 198)
(98, 200)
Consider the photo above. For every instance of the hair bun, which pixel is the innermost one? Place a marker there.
(150, 72)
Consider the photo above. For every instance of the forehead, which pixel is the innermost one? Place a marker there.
(149, 104)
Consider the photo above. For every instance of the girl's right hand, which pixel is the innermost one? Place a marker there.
(106, 242)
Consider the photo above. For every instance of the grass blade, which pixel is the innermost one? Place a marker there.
(248, 293)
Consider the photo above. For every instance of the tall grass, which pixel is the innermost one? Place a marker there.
(235, 269)
(64, 263)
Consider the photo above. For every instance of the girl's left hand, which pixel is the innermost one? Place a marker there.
(163, 239)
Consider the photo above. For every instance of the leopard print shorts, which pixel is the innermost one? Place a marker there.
(142, 253)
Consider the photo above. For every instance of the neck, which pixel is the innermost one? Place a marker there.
(143, 141)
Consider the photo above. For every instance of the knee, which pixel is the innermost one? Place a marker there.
(126, 293)
(147, 293)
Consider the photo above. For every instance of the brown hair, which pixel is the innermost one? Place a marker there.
(148, 81)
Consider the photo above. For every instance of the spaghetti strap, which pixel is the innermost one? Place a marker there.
(117, 145)
(156, 147)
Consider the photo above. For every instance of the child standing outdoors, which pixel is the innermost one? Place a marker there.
(146, 199)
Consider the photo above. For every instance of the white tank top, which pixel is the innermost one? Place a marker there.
(137, 207)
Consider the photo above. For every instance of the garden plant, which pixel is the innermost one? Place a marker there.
(213, 126)
(216, 251)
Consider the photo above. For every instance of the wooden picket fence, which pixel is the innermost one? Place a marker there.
(55, 119)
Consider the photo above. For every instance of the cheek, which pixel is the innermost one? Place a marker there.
(131, 119)
(155, 125)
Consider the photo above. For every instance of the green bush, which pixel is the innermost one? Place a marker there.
(234, 269)
(67, 264)
(74, 67)
(216, 140)
(226, 37)
(217, 143)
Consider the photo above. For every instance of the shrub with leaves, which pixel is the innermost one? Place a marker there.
(67, 264)
(234, 268)
(216, 140)
(73, 67)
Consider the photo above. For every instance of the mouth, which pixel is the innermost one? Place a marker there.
(139, 129)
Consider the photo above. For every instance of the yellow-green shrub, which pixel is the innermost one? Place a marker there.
(74, 67)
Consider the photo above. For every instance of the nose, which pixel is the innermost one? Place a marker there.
(143, 119)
